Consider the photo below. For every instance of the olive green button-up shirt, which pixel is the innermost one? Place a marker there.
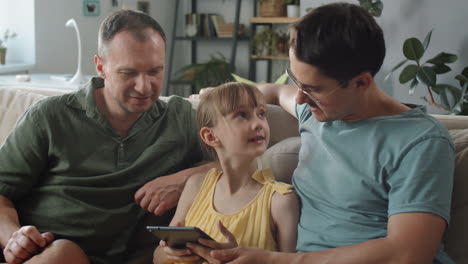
(69, 173)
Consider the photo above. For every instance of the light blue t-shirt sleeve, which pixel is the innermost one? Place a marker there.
(423, 180)
(303, 113)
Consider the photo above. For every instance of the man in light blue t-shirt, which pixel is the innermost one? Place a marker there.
(374, 176)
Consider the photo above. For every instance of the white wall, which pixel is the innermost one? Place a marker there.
(56, 44)
(403, 19)
(20, 49)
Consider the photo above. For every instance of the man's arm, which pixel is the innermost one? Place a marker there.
(280, 94)
(163, 193)
(285, 216)
(277, 94)
(8, 220)
(412, 238)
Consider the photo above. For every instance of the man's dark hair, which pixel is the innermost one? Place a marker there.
(342, 40)
(127, 20)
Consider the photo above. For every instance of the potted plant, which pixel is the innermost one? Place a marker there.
(3, 48)
(452, 99)
(268, 42)
(214, 72)
(292, 8)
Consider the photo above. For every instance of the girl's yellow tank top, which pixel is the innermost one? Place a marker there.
(251, 224)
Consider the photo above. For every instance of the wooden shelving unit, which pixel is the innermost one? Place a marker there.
(273, 20)
(176, 36)
(253, 59)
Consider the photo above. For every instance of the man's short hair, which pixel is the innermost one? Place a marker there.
(342, 40)
(127, 20)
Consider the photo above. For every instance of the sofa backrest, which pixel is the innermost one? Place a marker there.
(282, 156)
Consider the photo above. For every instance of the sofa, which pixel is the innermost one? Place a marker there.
(281, 157)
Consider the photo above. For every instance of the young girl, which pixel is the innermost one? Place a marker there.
(238, 203)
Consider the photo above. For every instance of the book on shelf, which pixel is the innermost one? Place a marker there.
(210, 25)
(227, 30)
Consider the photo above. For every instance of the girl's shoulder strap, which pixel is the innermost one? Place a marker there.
(265, 176)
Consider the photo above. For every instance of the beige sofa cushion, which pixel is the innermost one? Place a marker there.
(13, 103)
(457, 235)
(281, 158)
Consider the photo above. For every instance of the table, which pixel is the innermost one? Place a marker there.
(52, 81)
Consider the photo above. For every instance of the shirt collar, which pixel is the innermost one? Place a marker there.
(85, 100)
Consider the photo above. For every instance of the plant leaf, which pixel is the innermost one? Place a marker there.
(427, 40)
(414, 83)
(283, 79)
(395, 68)
(458, 108)
(408, 73)
(463, 77)
(413, 49)
(441, 68)
(366, 4)
(442, 58)
(237, 78)
(427, 76)
(448, 99)
(376, 9)
(440, 87)
(465, 72)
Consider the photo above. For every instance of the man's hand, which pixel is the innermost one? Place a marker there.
(161, 194)
(207, 246)
(243, 255)
(25, 243)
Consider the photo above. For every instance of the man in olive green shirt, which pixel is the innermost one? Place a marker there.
(78, 168)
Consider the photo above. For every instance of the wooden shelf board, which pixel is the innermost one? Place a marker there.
(273, 20)
(255, 57)
(210, 38)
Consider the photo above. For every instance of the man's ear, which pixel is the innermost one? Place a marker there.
(99, 66)
(363, 80)
(209, 137)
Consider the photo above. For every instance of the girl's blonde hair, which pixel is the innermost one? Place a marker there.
(223, 100)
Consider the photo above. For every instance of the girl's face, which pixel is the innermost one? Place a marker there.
(243, 132)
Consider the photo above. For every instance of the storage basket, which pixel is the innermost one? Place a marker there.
(272, 8)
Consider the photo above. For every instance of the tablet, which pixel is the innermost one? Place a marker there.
(178, 236)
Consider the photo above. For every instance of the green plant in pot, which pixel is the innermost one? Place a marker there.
(3, 48)
(217, 70)
(452, 99)
(263, 40)
(268, 42)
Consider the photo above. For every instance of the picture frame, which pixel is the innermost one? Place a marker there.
(143, 6)
(91, 8)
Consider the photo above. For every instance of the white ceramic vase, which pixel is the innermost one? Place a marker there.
(292, 10)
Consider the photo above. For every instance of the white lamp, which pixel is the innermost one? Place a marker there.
(78, 78)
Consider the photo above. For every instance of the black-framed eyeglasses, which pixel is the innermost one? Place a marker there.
(300, 86)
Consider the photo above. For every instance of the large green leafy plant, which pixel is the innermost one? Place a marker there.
(452, 99)
(211, 73)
